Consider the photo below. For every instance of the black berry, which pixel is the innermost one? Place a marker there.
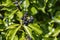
(24, 18)
(26, 23)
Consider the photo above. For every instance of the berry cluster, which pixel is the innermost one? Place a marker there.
(25, 16)
(26, 20)
(17, 5)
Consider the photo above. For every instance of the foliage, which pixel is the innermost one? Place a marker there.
(45, 25)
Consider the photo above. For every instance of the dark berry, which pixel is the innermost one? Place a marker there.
(24, 18)
(26, 23)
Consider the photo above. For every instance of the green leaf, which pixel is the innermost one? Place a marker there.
(27, 30)
(41, 3)
(22, 37)
(51, 3)
(39, 31)
(19, 14)
(12, 33)
(57, 17)
(56, 32)
(12, 26)
(1, 22)
(12, 14)
(7, 3)
(0, 37)
(34, 11)
(26, 3)
(15, 38)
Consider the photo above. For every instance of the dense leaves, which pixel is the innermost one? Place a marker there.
(29, 19)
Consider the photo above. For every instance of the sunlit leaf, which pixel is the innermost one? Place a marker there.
(27, 30)
(12, 33)
(15, 38)
(39, 31)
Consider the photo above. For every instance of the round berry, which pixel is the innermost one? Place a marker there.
(26, 23)
(24, 18)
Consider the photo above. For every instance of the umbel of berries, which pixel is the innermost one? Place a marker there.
(25, 19)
